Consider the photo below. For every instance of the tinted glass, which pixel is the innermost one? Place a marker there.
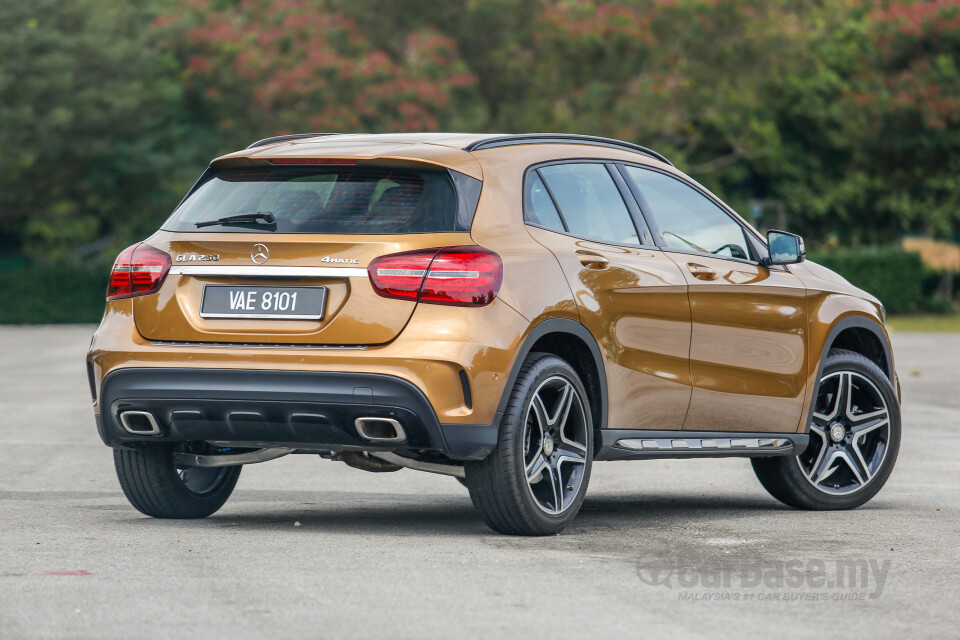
(538, 206)
(688, 220)
(323, 200)
(590, 202)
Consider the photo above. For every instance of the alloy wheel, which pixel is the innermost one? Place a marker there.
(555, 444)
(849, 434)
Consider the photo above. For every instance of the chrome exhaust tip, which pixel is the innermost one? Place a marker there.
(140, 423)
(380, 429)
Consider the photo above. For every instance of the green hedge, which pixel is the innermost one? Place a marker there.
(62, 294)
(52, 294)
(892, 274)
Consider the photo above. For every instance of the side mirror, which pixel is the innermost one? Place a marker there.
(785, 248)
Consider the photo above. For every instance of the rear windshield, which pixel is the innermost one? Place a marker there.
(335, 199)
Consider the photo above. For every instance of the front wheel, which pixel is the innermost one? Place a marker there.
(157, 487)
(534, 481)
(854, 440)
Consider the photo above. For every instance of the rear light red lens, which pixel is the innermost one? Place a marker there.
(119, 285)
(400, 275)
(468, 276)
(138, 270)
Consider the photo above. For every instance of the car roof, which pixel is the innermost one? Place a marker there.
(451, 150)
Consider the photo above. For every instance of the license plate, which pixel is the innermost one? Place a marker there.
(284, 303)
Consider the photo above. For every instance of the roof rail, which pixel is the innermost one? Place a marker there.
(562, 138)
(292, 136)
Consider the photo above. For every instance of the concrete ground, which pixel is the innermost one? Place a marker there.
(311, 548)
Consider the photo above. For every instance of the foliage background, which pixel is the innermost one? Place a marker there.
(843, 112)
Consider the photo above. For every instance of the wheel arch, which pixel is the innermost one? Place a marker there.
(868, 344)
(861, 335)
(574, 343)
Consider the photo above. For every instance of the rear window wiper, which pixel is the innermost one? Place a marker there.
(240, 218)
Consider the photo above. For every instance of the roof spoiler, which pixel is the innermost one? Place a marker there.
(291, 136)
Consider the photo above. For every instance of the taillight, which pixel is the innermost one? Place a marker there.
(400, 275)
(467, 276)
(138, 270)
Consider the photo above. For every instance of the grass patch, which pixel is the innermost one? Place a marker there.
(946, 323)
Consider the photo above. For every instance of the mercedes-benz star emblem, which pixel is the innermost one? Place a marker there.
(260, 253)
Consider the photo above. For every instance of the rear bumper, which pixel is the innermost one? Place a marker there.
(299, 409)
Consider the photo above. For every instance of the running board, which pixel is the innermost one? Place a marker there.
(628, 444)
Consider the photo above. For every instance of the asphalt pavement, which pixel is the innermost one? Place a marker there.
(311, 548)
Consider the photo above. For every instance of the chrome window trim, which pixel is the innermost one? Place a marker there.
(254, 271)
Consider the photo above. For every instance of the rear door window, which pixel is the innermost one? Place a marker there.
(589, 202)
(335, 200)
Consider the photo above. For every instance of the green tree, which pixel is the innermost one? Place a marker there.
(846, 111)
(91, 125)
(908, 91)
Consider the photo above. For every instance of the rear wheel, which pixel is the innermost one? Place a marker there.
(854, 440)
(157, 487)
(534, 481)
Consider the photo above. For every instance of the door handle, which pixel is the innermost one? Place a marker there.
(592, 260)
(701, 272)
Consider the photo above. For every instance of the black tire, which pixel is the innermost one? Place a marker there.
(498, 485)
(472, 499)
(154, 486)
(784, 478)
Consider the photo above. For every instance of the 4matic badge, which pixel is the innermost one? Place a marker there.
(340, 260)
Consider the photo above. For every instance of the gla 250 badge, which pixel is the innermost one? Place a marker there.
(198, 257)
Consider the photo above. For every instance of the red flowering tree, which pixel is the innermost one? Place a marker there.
(917, 79)
(266, 67)
(906, 92)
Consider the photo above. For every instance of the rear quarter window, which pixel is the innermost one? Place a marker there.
(538, 206)
(584, 199)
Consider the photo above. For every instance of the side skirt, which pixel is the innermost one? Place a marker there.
(633, 444)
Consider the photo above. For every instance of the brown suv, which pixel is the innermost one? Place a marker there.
(503, 309)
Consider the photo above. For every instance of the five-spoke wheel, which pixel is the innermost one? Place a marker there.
(534, 481)
(849, 434)
(555, 444)
(854, 440)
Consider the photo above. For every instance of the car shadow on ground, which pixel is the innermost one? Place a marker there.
(405, 514)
